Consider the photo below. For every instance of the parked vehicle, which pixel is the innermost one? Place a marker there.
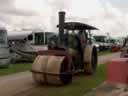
(96, 44)
(103, 42)
(115, 45)
(124, 49)
(4, 48)
(28, 43)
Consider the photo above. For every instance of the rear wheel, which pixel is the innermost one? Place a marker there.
(90, 60)
(94, 62)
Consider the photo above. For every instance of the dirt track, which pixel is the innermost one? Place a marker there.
(21, 84)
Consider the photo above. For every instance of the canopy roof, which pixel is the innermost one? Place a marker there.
(78, 26)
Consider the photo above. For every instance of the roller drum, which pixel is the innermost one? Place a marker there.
(51, 70)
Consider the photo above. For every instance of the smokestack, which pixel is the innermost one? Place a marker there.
(61, 25)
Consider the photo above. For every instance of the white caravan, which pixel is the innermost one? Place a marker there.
(28, 43)
(4, 48)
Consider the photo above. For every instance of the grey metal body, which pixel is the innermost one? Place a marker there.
(4, 48)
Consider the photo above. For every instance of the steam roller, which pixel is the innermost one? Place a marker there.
(69, 53)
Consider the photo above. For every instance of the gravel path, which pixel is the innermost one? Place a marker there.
(21, 84)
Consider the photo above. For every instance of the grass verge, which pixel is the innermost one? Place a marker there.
(14, 68)
(104, 53)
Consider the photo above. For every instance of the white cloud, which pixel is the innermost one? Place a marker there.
(111, 20)
(44, 14)
(85, 8)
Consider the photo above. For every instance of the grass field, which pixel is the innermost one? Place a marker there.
(14, 68)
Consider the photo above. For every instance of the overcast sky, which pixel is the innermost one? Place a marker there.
(108, 15)
(122, 4)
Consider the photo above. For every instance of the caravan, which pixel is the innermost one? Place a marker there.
(4, 48)
(28, 43)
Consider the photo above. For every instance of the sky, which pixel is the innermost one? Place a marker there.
(110, 16)
(122, 4)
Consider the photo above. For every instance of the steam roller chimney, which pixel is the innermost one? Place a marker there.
(61, 26)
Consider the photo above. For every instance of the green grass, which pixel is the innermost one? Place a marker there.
(23, 59)
(14, 68)
(79, 87)
(104, 53)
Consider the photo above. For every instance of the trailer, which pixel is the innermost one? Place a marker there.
(26, 44)
(4, 48)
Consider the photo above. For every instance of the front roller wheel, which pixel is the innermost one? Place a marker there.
(90, 59)
(51, 70)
